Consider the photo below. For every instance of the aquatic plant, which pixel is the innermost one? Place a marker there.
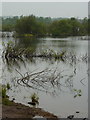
(35, 98)
(77, 93)
(8, 86)
(12, 54)
(3, 92)
(11, 51)
(5, 98)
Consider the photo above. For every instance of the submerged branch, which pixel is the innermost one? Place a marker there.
(11, 51)
(46, 80)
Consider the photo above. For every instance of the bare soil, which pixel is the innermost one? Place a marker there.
(17, 110)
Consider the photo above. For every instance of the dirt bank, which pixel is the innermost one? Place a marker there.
(17, 110)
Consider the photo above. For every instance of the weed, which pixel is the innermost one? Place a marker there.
(8, 86)
(35, 98)
(3, 92)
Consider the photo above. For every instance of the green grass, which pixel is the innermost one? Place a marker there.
(5, 99)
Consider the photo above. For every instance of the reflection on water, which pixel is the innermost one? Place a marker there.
(0, 80)
(61, 80)
(0, 60)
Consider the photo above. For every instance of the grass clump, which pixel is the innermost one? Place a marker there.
(77, 93)
(35, 98)
(3, 92)
(8, 86)
(5, 100)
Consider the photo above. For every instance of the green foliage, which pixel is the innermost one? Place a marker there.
(46, 20)
(11, 50)
(8, 86)
(68, 27)
(8, 24)
(60, 28)
(3, 92)
(0, 90)
(89, 26)
(29, 26)
(5, 100)
(77, 93)
(35, 98)
(29, 50)
(7, 28)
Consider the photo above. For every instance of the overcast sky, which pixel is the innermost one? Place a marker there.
(46, 9)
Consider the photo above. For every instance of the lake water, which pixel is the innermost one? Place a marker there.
(58, 100)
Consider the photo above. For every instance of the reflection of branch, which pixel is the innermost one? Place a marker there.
(46, 80)
(82, 82)
(19, 72)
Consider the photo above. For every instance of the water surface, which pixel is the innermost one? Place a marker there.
(59, 101)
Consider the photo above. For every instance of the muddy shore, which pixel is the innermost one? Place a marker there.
(17, 110)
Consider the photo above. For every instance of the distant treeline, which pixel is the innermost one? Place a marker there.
(40, 26)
